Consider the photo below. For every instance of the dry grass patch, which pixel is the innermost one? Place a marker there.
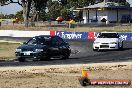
(7, 50)
(77, 29)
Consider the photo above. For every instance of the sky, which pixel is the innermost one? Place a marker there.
(10, 9)
(13, 8)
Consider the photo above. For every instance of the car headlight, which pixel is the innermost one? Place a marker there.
(18, 50)
(38, 50)
(113, 43)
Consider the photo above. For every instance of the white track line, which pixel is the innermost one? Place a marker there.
(6, 41)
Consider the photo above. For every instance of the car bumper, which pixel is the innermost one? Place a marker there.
(34, 55)
(105, 46)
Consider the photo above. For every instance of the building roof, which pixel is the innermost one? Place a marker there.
(107, 5)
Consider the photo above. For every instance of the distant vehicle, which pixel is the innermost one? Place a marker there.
(43, 48)
(108, 40)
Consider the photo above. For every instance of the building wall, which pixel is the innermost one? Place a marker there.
(92, 15)
(102, 14)
(112, 15)
(109, 15)
(85, 17)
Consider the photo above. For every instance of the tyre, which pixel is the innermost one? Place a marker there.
(20, 59)
(98, 50)
(94, 49)
(120, 47)
(65, 57)
(45, 58)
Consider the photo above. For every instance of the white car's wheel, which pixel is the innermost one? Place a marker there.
(94, 49)
(120, 45)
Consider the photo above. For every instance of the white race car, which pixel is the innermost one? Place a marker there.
(107, 40)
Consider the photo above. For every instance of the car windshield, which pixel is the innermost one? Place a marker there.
(39, 40)
(108, 35)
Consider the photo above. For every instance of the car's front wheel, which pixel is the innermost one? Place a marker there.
(120, 46)
(95, 49)
(20, 59)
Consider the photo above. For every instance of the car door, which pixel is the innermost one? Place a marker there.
(62, 46)
(54, 48)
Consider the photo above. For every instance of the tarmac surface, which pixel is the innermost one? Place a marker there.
(82, 53)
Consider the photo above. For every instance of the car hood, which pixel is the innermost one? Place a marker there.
(32, 47)
(106, 40)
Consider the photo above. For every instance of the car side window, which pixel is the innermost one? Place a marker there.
(32, 41)
(60, 40)
(54, 41)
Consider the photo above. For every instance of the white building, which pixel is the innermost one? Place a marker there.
(109, 11)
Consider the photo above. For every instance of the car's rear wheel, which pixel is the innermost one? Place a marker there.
(65, 57)
(20, 59)
(45, 58)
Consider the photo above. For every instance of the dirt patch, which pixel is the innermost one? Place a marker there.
(62, 76)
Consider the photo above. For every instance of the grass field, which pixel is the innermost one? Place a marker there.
(7, 50)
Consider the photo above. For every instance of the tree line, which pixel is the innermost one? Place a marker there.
(50, 9)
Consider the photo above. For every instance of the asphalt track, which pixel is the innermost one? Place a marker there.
(82, 53)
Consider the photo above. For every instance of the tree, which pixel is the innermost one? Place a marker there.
(37, 7)
(54, 9)
(19, 15)
(65, 7)
(26, 5)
